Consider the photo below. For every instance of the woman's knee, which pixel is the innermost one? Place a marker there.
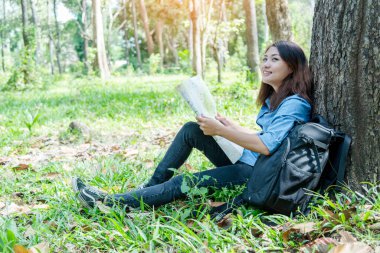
(191, 129)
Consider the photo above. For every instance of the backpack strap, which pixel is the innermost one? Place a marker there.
(342, 153)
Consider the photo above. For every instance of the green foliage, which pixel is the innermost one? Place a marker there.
(31, 119)
(134, 113)
(154, 63)
(24, 75)
(8, 235)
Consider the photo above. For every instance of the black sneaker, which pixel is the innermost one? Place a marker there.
(88, 196)
(77, 184)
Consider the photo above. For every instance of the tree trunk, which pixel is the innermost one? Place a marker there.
(266, 28)
(135, 33)
(345, 62)
(160, 42)
(101, 57)
(125, 28)
(251, 33)
(172, 44)
(278, 20)
(51, 45)
(190, 39)
(196, 34)
(145, 20)
(24, 14)
(36, 31)
(58, 42)
(204, 27)
(3, 39)
(85, 36)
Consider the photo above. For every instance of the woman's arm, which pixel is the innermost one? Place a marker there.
(233, 132)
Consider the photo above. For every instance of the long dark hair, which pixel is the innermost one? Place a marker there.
(298, 82)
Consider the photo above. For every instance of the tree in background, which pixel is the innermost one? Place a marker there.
(345, 61)
(252, 39)
(2, 36)
(196, 37)
(278, 19)
(101, 62)
(145, 20)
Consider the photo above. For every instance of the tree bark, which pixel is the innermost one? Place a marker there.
(172, 44)
(125, 28)
(101, 57)
(278, 20)
(345, 63)
(266, 27)
(58, 42)
(145, 20)
(51, 44)
(3, 38)
(84, 35)
(36, 31)
(196, 35)
(135, 33)
(159, 32)
(24, 14)
(251, 34)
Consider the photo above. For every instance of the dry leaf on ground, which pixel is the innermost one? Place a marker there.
(51, 175)
(42, 247)
(302, 228)
(226, 222)
(20, 167)
(320, 245)
(14, 209)
(353, 247)
(346, 237)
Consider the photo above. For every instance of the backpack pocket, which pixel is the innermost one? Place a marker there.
(290, 188)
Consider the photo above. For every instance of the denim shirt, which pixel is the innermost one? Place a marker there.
(277, 124)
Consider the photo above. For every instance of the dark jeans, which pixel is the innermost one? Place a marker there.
(164, 188)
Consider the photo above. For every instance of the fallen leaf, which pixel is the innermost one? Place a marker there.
(42, 247)
(103, 208)
(216, 204)
(320, 245)
(2, 205)
(14, 209)
(21, 167)
(51, 175)
(29, 232)
(130, 152)
(346, 237)
(41, 206)
(189, 167)
(353, 247)
(306, 227)
(226, 222)
(303, 228)
(375, 226)
(20, 249)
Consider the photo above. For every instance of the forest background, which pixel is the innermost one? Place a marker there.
(87, 89)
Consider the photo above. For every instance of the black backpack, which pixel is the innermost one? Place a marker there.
(312, 157)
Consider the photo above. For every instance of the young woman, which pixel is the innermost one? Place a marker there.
(284, 98)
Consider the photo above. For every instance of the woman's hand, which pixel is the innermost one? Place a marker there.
(209, 126)
(226, 121)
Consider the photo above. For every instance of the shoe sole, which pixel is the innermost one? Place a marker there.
(84, 202)
(74, 184)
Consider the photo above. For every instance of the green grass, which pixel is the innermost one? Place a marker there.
(140, 113)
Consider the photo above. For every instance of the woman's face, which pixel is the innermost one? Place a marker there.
(274, 69)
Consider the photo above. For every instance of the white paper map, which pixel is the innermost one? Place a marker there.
(198, 96)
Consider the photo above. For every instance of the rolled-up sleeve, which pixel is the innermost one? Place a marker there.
(282, 121)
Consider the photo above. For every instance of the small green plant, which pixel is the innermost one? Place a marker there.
(8, 235)
(31, 119)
